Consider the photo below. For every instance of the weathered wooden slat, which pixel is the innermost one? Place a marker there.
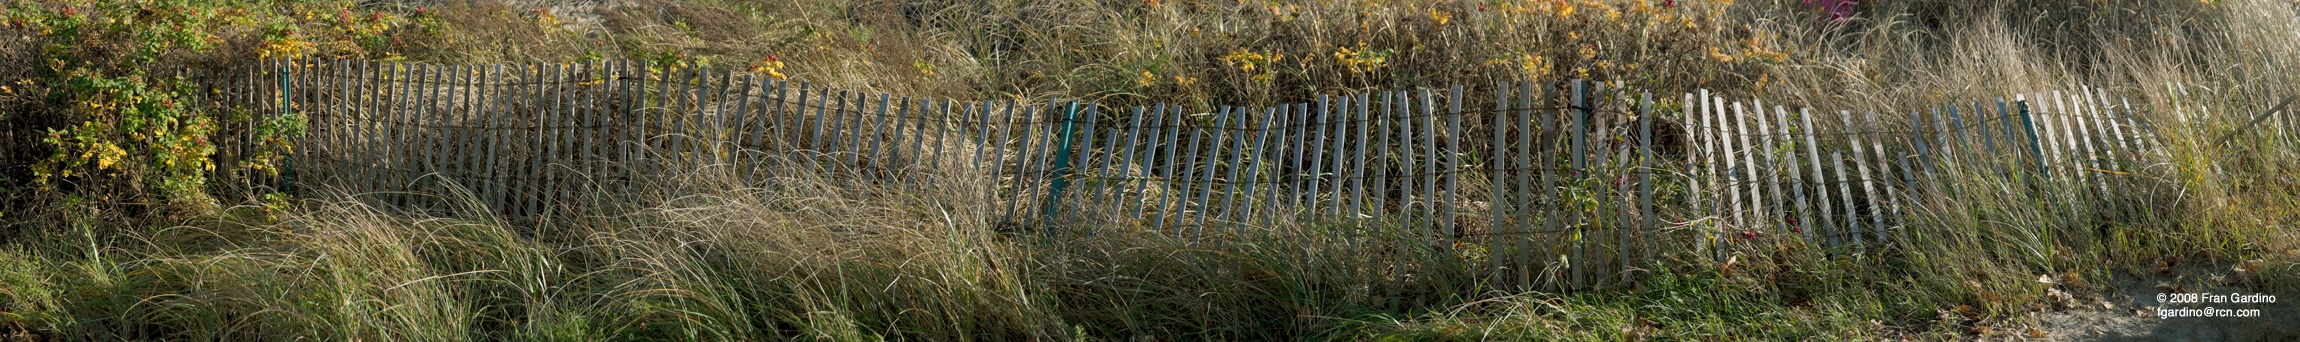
(1136, 171)
(1805, 223)
(1963, 153)
(556, 81)
(2042, 110)
(2097, 137)
(1868, 184)
(1827, 224)
(1645, 117)
(1885, 172)
(1771, 168)
(733, 138)
(854, 146)
(1497, 244)
(2080, 144)
(988, 147)
(348, 166)
(1297, 159)
(1551, 137)
(2142, 134)
(1453, 162)
(2072, 130)
(1208, 162)
(1580, 163)
(1695, 131)
(1168, 161)
(1982, 125)
(539, 166)
(433, 143)
(1026, 151)
(1760, 218)
(1258, 159)
(478, 177)
(1429, 161)
(1358, 166)
(1238, 151)
(1105, 160)
(1845, 190)
(1314, 130)
(378, 127)
(1381, 153)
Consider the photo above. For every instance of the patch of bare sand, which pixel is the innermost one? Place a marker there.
(2131, 312)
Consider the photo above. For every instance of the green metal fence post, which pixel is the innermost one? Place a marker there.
(1062, 161)
(289, 163)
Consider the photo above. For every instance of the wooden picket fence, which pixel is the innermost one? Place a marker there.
(1561, 185)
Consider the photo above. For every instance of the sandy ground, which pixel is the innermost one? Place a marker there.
(2131, 313)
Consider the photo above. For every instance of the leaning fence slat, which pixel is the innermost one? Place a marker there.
(1733, 183)
(1168, 160)
(1022, 153)
(1257, 159)
(2141, 133)
(1805, 223)
(457, 135)
(2043, 125)
(483, 147)
(1956, 128)
(1205, 185)
(1645, 180)
(1358, 164)
(2080, 146)
(1827, 224)
(1108, 159)
(429, 132)
(1885, 172)
(878, 128)
(1553, 128)
(1495, 172)
(855, 135)
(1453, 161)
(1868, 183)
(1749, 169)
(1135, 178)
(350, 166)
(1187, 169)
(1579, 151)
(1705, 147)
(378, 127)
(1049, 123)
(981, 138)
(2080, 142)
(1429, 165)
(1026, 151)
(1982, 126)
(556, 83)
(1297, 160)
(1775, 218)
(1521, 256)
(1237, 131)
(539, 166)
(1380, 154)
(1409, 170)
(2096, 142)
(734, 138)
(1845, 190)
(1316, 172)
